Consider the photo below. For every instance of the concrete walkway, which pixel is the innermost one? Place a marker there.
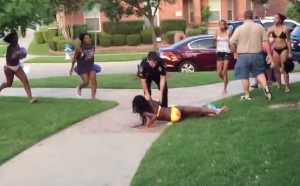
(101, 150)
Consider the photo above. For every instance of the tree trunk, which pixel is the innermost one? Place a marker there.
(154, 39)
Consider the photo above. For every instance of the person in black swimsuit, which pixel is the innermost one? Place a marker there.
(153, 68)
(84, 56)
(282, 49)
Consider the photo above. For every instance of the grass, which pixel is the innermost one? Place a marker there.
(2, 50)
(98, 58)
(127, 81)
(250, 145)
(38, 49)
(23, 128)
(2, 42)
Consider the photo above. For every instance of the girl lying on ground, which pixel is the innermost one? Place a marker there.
(151, 111)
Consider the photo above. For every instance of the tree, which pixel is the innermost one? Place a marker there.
(205, 14)
(63, 9)
(293, 10)
(23, 13)
(116, 9)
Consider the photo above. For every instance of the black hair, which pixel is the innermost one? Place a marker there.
(82, 35)
(153, 56)
(10, 37)
(289, 65)
(281, 17)
(141, 105)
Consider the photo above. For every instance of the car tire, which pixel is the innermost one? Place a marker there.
(187, 67)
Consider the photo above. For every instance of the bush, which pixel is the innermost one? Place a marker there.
(76, 43)
(49, 34)
(118, 39)
(170, 36)
(78, 29)
(93, 38)
(146, 36)
(123, 27)
(61, 44)
(38, 37)
(53, 43)
(197, 31)
(173, 24)
(133, 39)
(106, 40)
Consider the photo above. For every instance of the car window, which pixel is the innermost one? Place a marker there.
(268, 25)
(202, 44)
(290, 25)
(296, 31)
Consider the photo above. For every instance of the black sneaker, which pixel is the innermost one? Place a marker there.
(268, 93)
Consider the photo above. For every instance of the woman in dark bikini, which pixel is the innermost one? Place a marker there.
(13, 68)
(84, 56)
(151, 111)
(282, 49)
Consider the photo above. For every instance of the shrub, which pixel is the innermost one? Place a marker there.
(38, 37)
(170, 36)
(61, 44)
(49, 34)
(119, 39)
(78, 29)
(93, 34)
(53, 43)
(197, 31)
(106, 40)
(205, 13)
(123, 27)
(146, 36)
(133, 39)
(173, 24)
(76, 43)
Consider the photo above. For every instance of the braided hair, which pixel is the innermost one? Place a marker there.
(141, 105)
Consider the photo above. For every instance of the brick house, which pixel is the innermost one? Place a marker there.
(189, 10)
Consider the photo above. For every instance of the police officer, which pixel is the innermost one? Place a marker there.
(153, 68)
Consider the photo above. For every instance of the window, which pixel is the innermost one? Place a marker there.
(268, 25)
(214, 6)
(202, 44)
(230, 12)
(290, 25)
(92, 19)
(191, 11)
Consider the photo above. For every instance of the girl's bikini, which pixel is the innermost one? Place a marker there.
(281, 36)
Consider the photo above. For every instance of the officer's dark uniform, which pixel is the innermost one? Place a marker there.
(145, 71)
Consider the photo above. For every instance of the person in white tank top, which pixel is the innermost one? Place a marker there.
(221, 41)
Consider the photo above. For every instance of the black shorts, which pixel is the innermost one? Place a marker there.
(221, 56)
(85, 69)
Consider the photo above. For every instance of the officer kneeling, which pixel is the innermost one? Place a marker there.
(154, 69)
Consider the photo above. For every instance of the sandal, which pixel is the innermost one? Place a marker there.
(287, 90)
(78, 92)
(254, 86)
(33, 101)
(245, 98)
(268, 93)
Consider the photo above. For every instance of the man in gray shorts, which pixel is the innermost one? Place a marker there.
(246, 43)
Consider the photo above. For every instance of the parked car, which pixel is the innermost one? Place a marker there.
(232, 25)
(291, 24)
(4, 32)
(295, 43)
(192, 54)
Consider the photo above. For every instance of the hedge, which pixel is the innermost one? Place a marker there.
(123, 27)
(170, 36)
(173, 24)
(78, 29)
(38, 37)
(146, 36)
(61, 44)
(133, 39)
(196, 31)
(93, 38)
(119, 39)
(105, 40)
(49, 34)
(53, 43)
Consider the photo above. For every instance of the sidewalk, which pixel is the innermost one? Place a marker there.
(102, 150)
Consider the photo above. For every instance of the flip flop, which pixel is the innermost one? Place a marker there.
(33, 101)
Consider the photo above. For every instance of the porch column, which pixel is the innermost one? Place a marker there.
(197, 11)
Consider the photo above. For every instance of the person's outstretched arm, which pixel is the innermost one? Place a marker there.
(150, 118)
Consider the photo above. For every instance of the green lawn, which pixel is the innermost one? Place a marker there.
(2, 50)
(98, 58)
(126, 81)
(22, 124)
(2, 42)
(38, 49)
(251, 145)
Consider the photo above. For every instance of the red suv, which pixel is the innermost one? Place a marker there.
(192, 54)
